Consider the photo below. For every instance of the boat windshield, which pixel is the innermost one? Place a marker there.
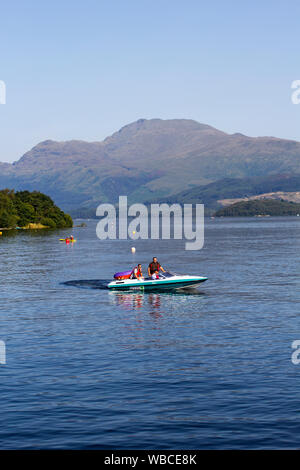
(166, 274)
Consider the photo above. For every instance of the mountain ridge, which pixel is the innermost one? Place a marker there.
(146, 159)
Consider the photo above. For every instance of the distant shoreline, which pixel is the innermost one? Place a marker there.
(260, 208)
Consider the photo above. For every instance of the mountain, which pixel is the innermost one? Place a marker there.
(289, 196)
(145, 160)
(214, 194)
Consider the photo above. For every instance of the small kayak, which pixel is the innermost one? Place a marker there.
(64, 239)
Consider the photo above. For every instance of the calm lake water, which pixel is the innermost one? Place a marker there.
(87, 368)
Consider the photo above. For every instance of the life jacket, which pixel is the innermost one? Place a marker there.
(137, 274)
(152, 270)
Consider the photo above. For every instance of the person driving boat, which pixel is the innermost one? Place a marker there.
(153, 269)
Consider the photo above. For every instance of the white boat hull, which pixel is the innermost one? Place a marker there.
(172, 282)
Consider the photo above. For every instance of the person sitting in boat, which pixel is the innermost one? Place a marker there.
(154, 268)
(137, 273)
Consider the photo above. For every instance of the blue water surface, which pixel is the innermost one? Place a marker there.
(87, 368)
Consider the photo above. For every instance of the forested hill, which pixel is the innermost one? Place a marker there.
(23, 208)
(260, 207)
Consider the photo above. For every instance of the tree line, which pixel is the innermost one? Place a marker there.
(18, 209)
(259, 207)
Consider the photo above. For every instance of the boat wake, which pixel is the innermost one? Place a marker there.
(102, 285)
(88, 283)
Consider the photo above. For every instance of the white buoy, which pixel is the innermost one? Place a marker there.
(133, 250)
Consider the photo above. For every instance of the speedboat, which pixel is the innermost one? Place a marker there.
(166, 280)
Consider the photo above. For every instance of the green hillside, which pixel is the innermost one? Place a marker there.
(230, 188)
(259, 207)
(23, 208)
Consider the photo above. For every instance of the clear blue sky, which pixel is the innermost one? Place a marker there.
(83, 69)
